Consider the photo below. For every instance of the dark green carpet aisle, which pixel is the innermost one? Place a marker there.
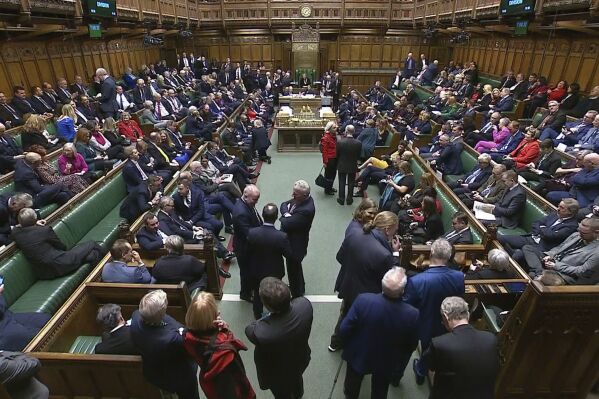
(320, 271)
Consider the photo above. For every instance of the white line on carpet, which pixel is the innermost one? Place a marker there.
(311, 298)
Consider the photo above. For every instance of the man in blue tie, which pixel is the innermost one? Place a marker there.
(590, 140)
(474, 179)
(409, 67)
(509, 144)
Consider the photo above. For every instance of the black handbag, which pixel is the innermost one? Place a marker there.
(321, 181)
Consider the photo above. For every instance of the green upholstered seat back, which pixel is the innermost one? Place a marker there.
(85, 344)
(17, 138)
(51, 128)
(469, 161)
(489, 80)
(18, 277)
(8, 188)
(417, 170)
(532, 212)
(537, 119)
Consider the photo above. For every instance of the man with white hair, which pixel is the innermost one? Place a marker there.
(158, 337)
(427, 290)
(380, 334)
(465, 360)
(107, 95)
(296, 219)
(348, 153)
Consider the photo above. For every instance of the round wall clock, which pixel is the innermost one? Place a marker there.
(305, 11)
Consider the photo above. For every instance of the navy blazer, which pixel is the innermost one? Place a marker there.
(131, 175)
(449, 160)
(508, 210)
(505, 104)
(426, 291)
(552, 236)
(18, 329)
(25, 178)
(510, 143)
(364, 259)
(107, 99)
(147, 240)
(196, 211)
(136, 202)
(480, 179)
(379, 333)
(163, 345)
(266, 248)
(297, 226)
(174, 225)
(172, 269)
(585, 186)
(244, 218)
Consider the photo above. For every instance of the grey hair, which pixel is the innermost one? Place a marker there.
(108, 316)
(302, 186)
(148, 104)
(174, 244)
(394, 282)
(70, 146)
(498, 259)
(484, 157)
(27, 217)
(152, 307)
(504, 121)
(350, 130)
(441, 249)
(572, 205)
(250, 188)
(195, 165)
(165, 201)
(258, 123)
(329, 126)
(455, 308)
(24, 199)
(101, 71)
(192, 109)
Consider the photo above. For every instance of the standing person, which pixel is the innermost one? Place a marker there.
(348, 153)
(426, 291)
(245, 216)
(380, 331)
(281, 338)
(266, 248)
(465, 360)
(107, 95)
(215, 349)
(158, 337)
(328, 147)
(296, 219)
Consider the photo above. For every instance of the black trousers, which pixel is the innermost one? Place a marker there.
(336, 340)
(330, 170)
(244, 277)
(292, 389)
(353, 382)
(295, 274)
(350, 178)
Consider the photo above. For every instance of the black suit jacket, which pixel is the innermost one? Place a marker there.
(464, 237)
(148, 240)
(550, 164)
(132, 176)
(39, 107)
(297, 226)
(136, 202)
(348, 154)
(266, 248)
(117, 342)
(465, 362)
(139, 96)
(244, 218)
(64, 95)
(8, 150)
(9, 114)
(174, 225)
(508, 210)
(108, 98)
(282, 352)
(22, 105)
(172, 269)
(552, 236)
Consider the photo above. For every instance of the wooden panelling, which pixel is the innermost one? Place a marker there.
(558, 59)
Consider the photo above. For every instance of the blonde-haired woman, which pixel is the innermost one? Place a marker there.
(216, 351)
(328, 148)
(65, 124)
(365, 257)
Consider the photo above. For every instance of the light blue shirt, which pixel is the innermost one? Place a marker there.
(120, 272)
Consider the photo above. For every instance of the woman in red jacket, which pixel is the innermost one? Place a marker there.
(527, 151)
(559, 92)
(129, 128)
(328, 147)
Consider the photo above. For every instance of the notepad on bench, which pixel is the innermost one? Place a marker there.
(480, 213)
(226, 178)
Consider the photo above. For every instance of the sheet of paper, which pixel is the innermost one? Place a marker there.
(480, 213)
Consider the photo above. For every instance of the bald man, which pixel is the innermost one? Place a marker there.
(585, 184)
(27, 181)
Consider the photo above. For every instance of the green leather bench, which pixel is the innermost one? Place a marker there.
(483, 80)
(532, 212)
(85, 344)
(97, 219)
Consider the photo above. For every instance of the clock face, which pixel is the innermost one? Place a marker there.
(306, 11)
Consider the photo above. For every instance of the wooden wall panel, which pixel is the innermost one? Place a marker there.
(5, 86)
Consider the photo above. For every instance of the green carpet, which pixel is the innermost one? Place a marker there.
(320, 271)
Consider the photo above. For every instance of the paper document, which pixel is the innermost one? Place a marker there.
(481, 214)
(226, 178)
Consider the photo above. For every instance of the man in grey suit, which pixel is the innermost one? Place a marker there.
(508, 210)
(576, 260)
(107, 95)
(348, 153)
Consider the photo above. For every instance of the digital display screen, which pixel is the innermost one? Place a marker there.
(516, 7)
(521, 28)
(102, 8)
(95, 31)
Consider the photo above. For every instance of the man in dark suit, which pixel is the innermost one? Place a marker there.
(107, 95)
(447, 159)
(177, 266)
(505, 103)
(79, 87)
(266, 248)
(546, 232)
(9, 209)
(17, 375)
(49, 256)
(461, 233)
(348, 154)
(149, 236)
(20, 102)
(545, 167)
(553, 120)
(296, 219)
(475, 178)
(116, 338)
(245, 216)
(141, 94)
(281, 338)
(380, 333)
(39, 104)
(426, 291)
(409, 67)
(465, 360)
(509, 144)
(18, 328)
(431, 73)
(141, 198)
(190, 204)
(50, 95)
(27, 181)
(159, 339)
(133, 173)
(65, 96)
(8, 114)
(508, 210)
(10, 151)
